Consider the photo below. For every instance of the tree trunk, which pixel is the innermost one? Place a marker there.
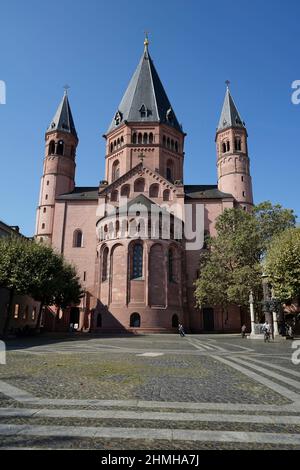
(9, 311)
(38, 322)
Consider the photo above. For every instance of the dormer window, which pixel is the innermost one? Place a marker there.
(118, 118)
(143, 111)
(170, 115)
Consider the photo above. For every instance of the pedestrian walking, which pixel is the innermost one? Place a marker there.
(181, 330)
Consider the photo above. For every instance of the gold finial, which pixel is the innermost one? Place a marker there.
(146, 40)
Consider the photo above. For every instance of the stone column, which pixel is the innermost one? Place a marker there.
(252, 314)
(275, 324)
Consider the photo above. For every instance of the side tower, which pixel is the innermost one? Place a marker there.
(59, 167)
(145, 124)
(232, 154)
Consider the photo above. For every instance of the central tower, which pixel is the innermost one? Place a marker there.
(145, 127)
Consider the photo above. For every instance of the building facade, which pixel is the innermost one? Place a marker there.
(128, 235)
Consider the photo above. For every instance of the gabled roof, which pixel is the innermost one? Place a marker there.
(205, 192)
(230, 117)
(140, 168)
(145, 99)
(63, 119)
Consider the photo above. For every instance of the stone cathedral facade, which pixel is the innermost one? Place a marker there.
(134, 282)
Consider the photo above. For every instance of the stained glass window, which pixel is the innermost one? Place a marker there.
(137, 262)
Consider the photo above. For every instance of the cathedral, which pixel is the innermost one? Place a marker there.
(138, 275)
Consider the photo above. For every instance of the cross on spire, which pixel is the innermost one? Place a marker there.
(66, 88)
(141, 156)
(227, 83)
(146, 40)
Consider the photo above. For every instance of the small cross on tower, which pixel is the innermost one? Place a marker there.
(66, 88)
(227, 83)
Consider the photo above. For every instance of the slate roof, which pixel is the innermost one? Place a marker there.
(230, 117)
(145, 90)
(63, 119)
(204, 192)
(83, 193)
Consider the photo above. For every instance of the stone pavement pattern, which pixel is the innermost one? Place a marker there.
(149, 392)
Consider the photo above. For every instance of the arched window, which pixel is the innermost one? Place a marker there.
(125, 190)
(170, 170)
(150, 138)
(238, 144)
(43, 225)
(116, 170)
(60, 147)
(153, 190)
(51, 148)
(137, 261)
(164, 141)
(139, 185)
(140, 138)
(175, 321)
(99, 320)
(166, 195)
(77, 239)
(118, 143)
(105, 264)
(172, 144)
(228, 146)
(114, 196)
(171, 265)
(176, 146)
(133, 138)
(145, 138)
(168, 143)
(224, 147)
(135, 320)
(122, 140)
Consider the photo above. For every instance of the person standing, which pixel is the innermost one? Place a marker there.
(181, 330)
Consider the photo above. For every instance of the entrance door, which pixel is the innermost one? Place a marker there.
(208, 319)
(74, 317)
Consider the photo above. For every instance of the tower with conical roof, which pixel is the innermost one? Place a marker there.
(59, 167)
(145, 127)
(233, 162)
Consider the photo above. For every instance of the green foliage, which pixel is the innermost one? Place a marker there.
(283, 264)
(231, 268)
(273, 219)
(35, 269)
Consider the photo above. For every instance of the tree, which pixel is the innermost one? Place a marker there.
(231, 268)
(272, 220)
(35, 269)
(283, 264)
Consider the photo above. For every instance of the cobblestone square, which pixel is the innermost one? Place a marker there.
(149, 392)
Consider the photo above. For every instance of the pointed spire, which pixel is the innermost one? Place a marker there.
(230, 117)
(63, 119)
(145, 99)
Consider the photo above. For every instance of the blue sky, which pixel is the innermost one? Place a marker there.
(94, 46)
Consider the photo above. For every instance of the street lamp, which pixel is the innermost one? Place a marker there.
(268, 305)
